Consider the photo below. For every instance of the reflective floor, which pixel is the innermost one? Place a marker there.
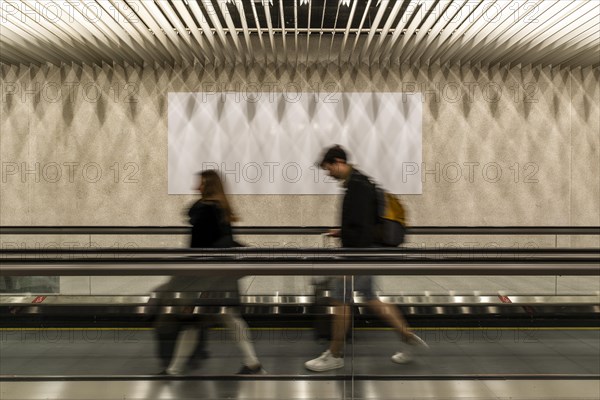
(469, 363)
(453, 353)
(300, 389)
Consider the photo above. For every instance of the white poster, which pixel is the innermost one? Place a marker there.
(268, 143)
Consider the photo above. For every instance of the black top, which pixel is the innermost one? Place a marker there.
(209, 229)
(209, 226)
(359, 212)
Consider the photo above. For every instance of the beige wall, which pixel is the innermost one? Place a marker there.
(545, 120)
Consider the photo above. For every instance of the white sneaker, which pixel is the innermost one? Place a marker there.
(401, 358)
(173, 371)
(418, 343)
(325, 362)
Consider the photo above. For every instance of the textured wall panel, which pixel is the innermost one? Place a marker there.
(538, 128)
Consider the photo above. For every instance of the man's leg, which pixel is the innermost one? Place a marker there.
(392, 315)
(339, 327)
(332, 358)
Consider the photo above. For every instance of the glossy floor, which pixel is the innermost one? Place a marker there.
(300, 389)
(453, 353)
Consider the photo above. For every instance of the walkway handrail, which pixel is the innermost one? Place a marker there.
(296, 230)
(308, 268)
(293, 251)
(301, 263)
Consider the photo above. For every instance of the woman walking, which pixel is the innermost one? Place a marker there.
(211, 219)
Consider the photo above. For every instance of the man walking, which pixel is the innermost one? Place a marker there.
(359, 228)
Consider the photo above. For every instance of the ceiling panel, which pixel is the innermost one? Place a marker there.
(181, 32)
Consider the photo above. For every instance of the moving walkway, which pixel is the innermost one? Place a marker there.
(484, 344)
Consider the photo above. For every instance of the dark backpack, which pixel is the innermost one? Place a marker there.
(392, 218)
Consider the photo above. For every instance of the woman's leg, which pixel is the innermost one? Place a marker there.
(236, 324)
(186, 343)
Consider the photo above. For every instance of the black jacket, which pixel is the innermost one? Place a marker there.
(209, 226)
(359, 212)
(209, 229)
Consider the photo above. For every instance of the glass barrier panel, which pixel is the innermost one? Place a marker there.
(302, 326)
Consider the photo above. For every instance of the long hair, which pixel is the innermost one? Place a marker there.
(213, 190)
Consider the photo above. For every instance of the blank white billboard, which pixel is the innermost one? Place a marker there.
(268, 143)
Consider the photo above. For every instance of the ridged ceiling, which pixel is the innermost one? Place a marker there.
(219, 32)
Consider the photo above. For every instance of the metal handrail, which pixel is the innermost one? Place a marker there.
(242, 262)
(308, 269)
(271, 251)
(296, 230)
